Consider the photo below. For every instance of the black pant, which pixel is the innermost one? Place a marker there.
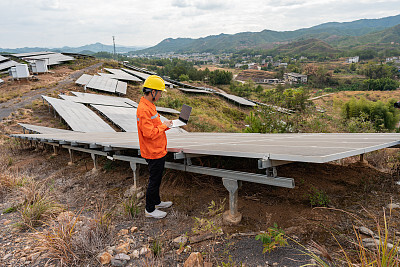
(156, 169)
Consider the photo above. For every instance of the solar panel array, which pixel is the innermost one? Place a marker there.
(125, 118)
(102, 83)
(96, 99)
(142, 76)
(51, 58)
(8, 64)
(78, 116)
(196, 91)
(122, 75)
(237, 99)
(317, 147)
(104, 99)
(3, 58)
(42, 129)
(84, 79)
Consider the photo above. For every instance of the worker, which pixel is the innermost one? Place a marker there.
(153, 144)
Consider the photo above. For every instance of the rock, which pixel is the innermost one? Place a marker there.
(23, 259)
(123, 232)
(195, 260)
(124, 248)
(105, 258)
(122, 257)
(180, 241)
(7, 256)
(119, 263)
(134, 229)
(208, 264)
(393, 206)
(139, 195)
(135, 254)
(6, 222)
(131, 191)
(364, 230)
(144, 251)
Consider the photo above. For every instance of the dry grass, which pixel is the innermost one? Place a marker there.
(38, 205)
(73, 240)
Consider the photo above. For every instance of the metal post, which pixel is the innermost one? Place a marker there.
(55, 150)
(71, 156)
(94, 158)
(135, 170)
(232, 216)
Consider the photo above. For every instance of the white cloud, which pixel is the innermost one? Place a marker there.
(55, 23)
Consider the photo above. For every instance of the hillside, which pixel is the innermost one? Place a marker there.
(309, 46)
(329, 32)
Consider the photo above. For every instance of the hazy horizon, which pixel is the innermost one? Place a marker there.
(55, 23)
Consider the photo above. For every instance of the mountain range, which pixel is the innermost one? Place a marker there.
(86, 49)
(328, 37)
(335, 34)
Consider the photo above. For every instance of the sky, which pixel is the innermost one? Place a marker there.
(57, 23)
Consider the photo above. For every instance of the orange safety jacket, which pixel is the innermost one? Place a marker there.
(151, 131)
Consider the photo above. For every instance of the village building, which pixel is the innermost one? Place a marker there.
(353, 59)
(292, 77)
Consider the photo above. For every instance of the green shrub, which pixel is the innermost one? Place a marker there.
(273, 238)
(318, 198)
(384, 116)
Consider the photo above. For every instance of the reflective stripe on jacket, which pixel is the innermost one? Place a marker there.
(151, 131)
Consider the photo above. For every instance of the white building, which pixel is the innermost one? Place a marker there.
(292, 77)
(353, 59)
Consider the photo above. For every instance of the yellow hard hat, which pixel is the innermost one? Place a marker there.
(154, 82)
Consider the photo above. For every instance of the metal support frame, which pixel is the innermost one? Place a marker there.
(232, 180)
(232, 215)
(94, 158)
(71, 156)
(93, 153)
(135, 171)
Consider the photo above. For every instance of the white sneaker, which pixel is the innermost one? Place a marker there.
(157, 214)
(164, 205)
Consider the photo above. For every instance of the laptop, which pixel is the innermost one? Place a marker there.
(183, 117)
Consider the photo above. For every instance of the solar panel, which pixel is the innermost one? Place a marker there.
(7, 64)
(88, 99)
(102, 84)
(105, 99)
(51, 58)
(78, 116)
(121, 88)
(125, 118)
(42, 129)
(122, 75)
(20, 55)
(317, 148)
(237, 99)
(3, 58)
(84, 79)
(141, 75)
(199, 91)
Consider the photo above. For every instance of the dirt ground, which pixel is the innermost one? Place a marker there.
(351, 187)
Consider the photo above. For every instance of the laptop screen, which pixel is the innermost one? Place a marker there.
(185, 113)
